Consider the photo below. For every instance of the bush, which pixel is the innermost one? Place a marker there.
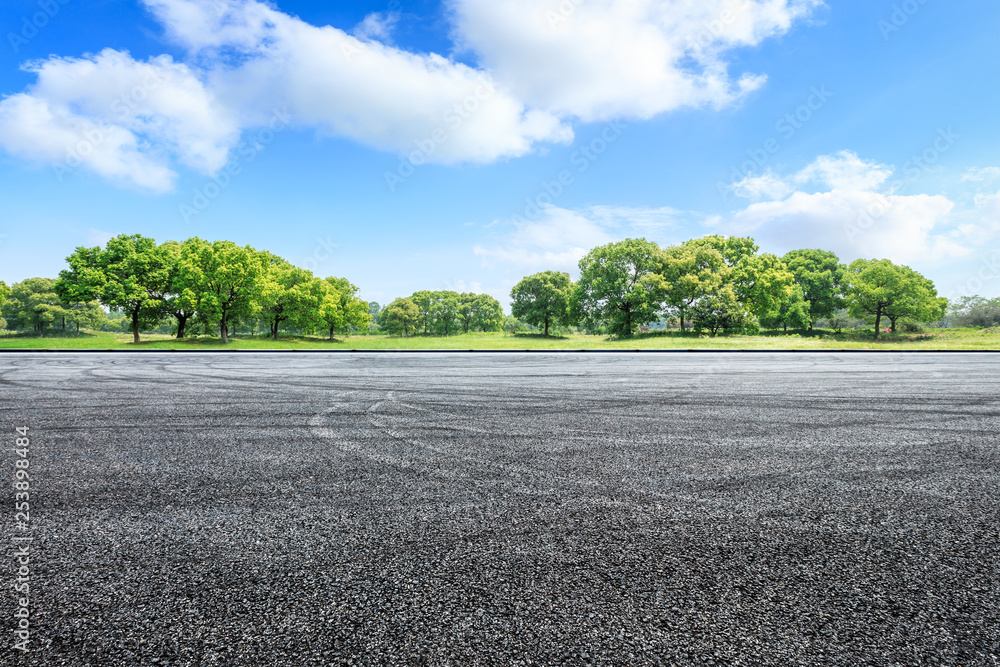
(910, 327)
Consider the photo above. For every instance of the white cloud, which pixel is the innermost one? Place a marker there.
(123, 119)
(981, 174)
(377, 26)
(849, 214)
(376, 94)
(558, 238)
(604, 59)
(607, 58)
(765, 186)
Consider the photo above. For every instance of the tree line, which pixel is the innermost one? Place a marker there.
(719, 283)
(713, 284)
(213, 283)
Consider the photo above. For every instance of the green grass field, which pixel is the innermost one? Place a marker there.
(935, 339)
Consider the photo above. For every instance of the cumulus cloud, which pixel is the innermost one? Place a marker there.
(846, 212)
(981, 174)
(558, 238)
(540, 66)
(604, 59)
(123, 119)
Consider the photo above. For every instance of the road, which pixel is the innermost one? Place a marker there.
(463, 509)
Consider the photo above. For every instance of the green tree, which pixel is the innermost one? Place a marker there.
(34, 305)
(179, 297)
(342, 307)
(400, 317)
(287, 294)
(226, 280)
(88, 315)
(921, 303)
(424, 301)
(760, 282)
(619, 285)
(719, 311)
(878, 288)
(821, 276)
(488, 313)
(129, 274)
(444, 311)
(4, 293)
(791, 312)
(543, 299)
(690, 272)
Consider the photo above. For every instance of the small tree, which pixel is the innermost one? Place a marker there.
(34, 305)
(791, 312)
(821, 276)
(402, 316)
(719, 312)
(543, 299)
(342, 307)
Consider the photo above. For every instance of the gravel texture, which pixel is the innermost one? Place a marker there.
(508, 509)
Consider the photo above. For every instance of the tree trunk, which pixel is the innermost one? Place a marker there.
(135, 326)
(681, 311)
(546, 326)
(892, 327)
(181, 321)
(878, 322)
(64, 324)
(224, 330)
(628, 322)
(786, 327)
(331, 333)
(274, 330)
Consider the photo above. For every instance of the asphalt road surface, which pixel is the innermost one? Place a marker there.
(507, 509)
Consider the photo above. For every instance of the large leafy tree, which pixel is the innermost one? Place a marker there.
(690, 272)
(444, 312)
(921, 302)
(488, 313)
(288, 294)
(619, 285)
(34, 305)
(341, 306)
(225, 279)
(878, 288)
(130, 274)
(400, 317)
(4, 293)
(760, 282)
(180, 297)
(424, 301)
(791, 312)
(821, 276)
(543, 299)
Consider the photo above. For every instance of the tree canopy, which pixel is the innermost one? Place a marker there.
(619, 285)
(543, 299)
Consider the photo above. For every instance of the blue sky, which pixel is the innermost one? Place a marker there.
(327, 132)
